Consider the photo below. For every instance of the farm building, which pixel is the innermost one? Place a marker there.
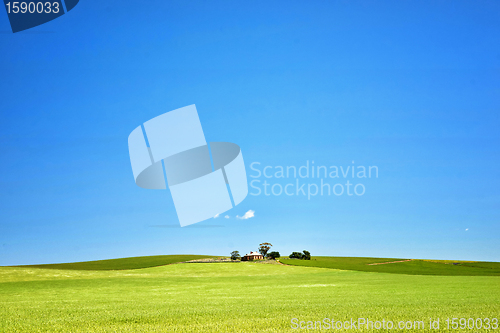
(252, 256)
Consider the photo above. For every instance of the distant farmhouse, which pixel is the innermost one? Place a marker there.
(252, 256)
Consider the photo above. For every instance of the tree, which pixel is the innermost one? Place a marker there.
(304, 255)
(307, 255)
(296, 255)
(264, 248)
(235, 255)
(273, 255)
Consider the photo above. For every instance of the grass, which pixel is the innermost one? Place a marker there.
(413, 267)
(123, 263)
(230, 297)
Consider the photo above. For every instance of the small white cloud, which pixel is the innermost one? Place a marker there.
(248, 215)
(227, 216)
(216, 216)
(467, 229)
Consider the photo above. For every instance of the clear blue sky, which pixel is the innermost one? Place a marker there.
(412, 87)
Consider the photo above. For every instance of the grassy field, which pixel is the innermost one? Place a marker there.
(122, 263)
(231, 297)
(414, 267)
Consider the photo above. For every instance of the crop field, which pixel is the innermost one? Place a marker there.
(123, 263)
(401, 266)
(233, 297)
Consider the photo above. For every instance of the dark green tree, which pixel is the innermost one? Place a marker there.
(307, 255)
(273, 255)
(296, 255)
(235, 255)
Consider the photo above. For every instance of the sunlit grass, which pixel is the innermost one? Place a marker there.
(124, 263)
(416, 267)
(229, 297)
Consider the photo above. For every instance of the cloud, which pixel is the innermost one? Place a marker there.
(227, 216)
(248, 215)
(467, 229)
(216, 216)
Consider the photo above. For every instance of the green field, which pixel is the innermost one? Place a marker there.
(232, 297)
(122, 263)
(414, 267)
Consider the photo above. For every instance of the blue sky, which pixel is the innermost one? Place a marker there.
(409, 86)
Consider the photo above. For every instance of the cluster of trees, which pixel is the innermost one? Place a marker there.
(304, 255)
(273, 255)
(263, 249)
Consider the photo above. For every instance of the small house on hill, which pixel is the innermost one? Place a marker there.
(252, 256)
